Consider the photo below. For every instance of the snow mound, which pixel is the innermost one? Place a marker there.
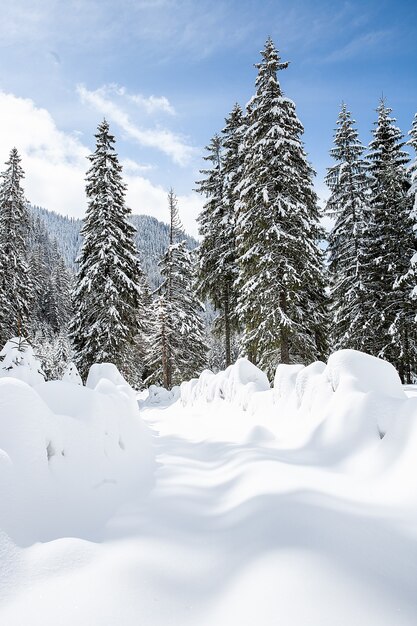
(161, 396)
(19, 361)
(236, 384)
(352, 369)
(336, 412)
(284, 381)
(69, 456)
(71, 375)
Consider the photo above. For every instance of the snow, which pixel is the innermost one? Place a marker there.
(71, 375)
(294, 505)
(69, 456)
(19, 361)
(236, 384)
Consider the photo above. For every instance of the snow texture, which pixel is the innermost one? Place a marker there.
(69, 455)
(299, 510)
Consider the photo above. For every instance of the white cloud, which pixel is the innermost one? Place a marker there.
(149, 104)
(144, 197)
(160, 138)
(152, 103)
(133, 167)
(363, 44)
(55, 164)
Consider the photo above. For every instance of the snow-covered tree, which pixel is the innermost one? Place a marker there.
(107, 296)
(54, 350)
(17, 359)
(347, 206)
(177, 345)
(389, 245)
(162, 342)
(413, 169)
(16, 291)
(280, 283)
(217, 256)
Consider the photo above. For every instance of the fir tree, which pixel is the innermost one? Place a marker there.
(217, 255)
(413, 169)
(280, 283)
(389, 246)
(347, 206)
(107, 294)
(177, 343)
(161, 339)
(16, 291)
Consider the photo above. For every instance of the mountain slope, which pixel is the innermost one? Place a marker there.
(152, 237)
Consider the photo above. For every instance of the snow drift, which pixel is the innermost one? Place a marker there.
(69, 455)
(236, 384)
(340, 412)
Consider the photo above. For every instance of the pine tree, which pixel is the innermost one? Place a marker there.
(413, 170)
(389, 246)
(280, 283)
(61, 297)
(412, 273)
(175, 225)
(347, 206)
(160, 341)
(16, 292)
(177, 344)
(192, 354)
(217, 253)
(107, 294)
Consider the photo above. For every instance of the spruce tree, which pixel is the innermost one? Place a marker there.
(177, 342)
(107, 295)
(16, 291)
(280, 283)
(389, 246)
(217, 254)
(413, 169)
(347, 206)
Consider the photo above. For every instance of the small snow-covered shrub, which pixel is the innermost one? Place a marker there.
(19, 361)
(160, 395)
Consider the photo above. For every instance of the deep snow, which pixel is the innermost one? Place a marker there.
(294, 505)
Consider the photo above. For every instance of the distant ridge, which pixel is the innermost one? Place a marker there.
(152, 238)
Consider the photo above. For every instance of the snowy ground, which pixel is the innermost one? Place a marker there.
(238, 529)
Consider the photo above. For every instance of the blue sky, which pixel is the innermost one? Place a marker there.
(166, 73)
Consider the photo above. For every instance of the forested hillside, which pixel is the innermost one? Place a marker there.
(152, 238)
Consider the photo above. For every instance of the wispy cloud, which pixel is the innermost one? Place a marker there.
(361, 44)
(55, 164)
(148, 104)
(133, 167)
(152, 103)
(161, 139)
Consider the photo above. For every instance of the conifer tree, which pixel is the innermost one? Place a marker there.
(413, 170)
(107, 294)
(217, 254)
(177, 344)
(347, 206)
(389, 246)
(16, 290)
(280, 283)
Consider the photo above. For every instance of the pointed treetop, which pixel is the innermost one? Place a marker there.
(175, 225)
(271, 59)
